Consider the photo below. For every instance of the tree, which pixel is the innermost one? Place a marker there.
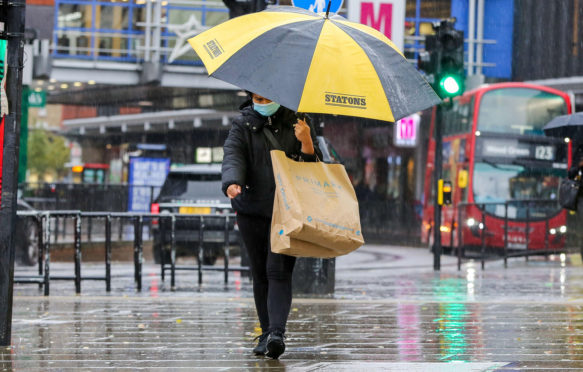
(47, 153)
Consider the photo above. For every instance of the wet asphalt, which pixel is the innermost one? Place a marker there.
(390, 311)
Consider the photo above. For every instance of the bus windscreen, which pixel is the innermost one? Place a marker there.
(498, 183)
(522, 111)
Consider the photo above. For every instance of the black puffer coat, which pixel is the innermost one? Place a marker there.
(247, 162)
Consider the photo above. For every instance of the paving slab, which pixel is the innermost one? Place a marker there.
(390, 311)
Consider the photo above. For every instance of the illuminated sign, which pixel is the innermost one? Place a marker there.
(514, 149)
(406, 130)
(203, 155)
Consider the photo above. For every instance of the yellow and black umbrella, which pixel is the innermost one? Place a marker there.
(308, 62)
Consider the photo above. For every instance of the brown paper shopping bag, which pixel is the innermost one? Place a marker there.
(315, 211)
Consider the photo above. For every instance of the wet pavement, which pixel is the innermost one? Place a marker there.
(390, 311)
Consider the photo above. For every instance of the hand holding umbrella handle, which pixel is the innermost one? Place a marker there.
(301, 116)
(302, 133)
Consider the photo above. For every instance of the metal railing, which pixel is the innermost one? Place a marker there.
(83, 196)
(482, 230)
(385, 221)
(382, 220)
(43, 221)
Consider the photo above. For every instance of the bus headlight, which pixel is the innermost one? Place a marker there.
(559, 230)
(474, 226)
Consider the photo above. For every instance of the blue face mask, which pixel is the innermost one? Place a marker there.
(266, 109)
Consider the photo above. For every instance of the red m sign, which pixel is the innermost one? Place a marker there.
(382, 22)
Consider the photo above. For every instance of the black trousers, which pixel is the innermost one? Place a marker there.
(271, 272)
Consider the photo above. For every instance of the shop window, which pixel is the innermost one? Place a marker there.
(74, 16)
(111, 17)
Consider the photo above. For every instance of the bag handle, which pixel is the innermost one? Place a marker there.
(271, 139)
(275, 143)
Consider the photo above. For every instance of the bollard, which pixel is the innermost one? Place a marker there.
(172, 253)
(200, 249)
(459, 238)
(41, 250)
(483, 248)
(162, 226)
(77, 253)
(108, 253)
(506, 234)
(226, 250)
(527, 232)
(45, 223)
(314, 276)
(547, 235)
(138, 252)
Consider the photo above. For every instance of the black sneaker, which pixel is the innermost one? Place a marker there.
(261, 347)
(275, 345)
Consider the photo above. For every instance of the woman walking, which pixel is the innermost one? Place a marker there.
(247, 179)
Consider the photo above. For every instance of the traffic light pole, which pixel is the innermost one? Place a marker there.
(14, 32)
(437, 174)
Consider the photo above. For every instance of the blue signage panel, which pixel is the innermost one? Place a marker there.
(498, 26)
(318, 6)
(146, 176)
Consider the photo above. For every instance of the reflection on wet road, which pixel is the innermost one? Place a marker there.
(395, 315)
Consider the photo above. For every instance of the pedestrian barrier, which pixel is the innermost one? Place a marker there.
(87, 197)
(383, 220)
(43, 221)
(483, 231)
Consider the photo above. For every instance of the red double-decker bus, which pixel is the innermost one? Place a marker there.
(504, 171)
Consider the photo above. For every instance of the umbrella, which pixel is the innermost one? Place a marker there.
(570, 126)
(309, 62)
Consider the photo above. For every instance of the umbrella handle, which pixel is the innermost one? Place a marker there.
(301, 116)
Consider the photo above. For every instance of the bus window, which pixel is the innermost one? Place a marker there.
(457, 120)
(505, 182)
(518, 110)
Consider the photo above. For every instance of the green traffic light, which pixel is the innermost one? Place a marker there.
(450, 85)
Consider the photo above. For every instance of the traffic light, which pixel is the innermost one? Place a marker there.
(444, 190)
(240, 7)
(450, 74)
(427, 60)
(443, 60)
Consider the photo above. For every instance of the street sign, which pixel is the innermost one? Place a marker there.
(145, 172)
(318, 6)
(37, 99)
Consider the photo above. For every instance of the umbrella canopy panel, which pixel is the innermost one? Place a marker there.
(570, 126)
(310, 63)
